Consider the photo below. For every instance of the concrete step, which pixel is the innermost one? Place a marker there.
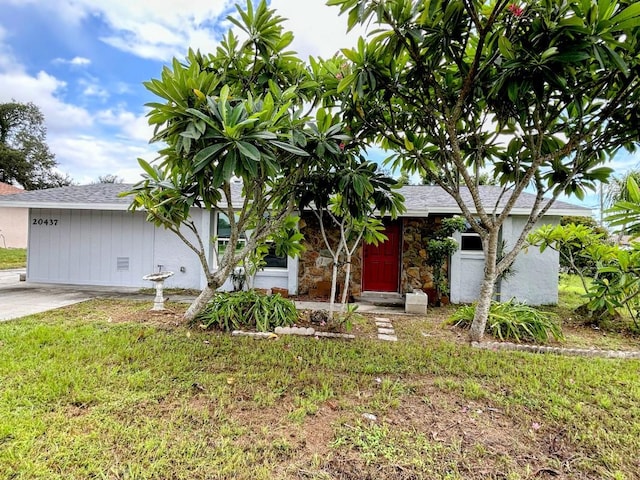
(381, 298)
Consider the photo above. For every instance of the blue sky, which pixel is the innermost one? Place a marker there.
(83, 63)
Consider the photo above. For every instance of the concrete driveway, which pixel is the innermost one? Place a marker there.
(18, 299)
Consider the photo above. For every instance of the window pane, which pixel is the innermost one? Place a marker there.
(222, 246)
(274, 261)
(471, 242)
(224, 230)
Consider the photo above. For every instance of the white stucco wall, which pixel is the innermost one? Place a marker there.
(535, 278)
(14, 225)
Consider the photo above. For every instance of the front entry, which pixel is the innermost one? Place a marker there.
(381, 265)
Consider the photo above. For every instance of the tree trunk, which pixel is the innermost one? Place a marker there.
(486, 290)
(347, 282)
(334, 282)
(199, 304)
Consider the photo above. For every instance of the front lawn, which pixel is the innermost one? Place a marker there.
(13, 258)
(84, 394)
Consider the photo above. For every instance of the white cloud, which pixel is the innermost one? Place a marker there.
(80, 61)
(152, 29)
(319, 30)
(43, 90)
(92, 88)
(86, 157)
(75, 61)
(161, 29)
(131, 126)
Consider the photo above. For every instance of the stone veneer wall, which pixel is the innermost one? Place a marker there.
(416, 273)
(315, 263)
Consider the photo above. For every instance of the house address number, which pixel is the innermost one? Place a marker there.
(51, 222)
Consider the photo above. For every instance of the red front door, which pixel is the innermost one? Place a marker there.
(381, 265)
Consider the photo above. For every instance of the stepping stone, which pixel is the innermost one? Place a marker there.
(388, 338)
(387, 331)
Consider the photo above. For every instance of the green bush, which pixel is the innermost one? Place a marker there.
(248, 309)
(513, 320)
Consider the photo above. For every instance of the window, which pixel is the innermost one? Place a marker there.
(470, 241)
(223, 231)
(275, 261)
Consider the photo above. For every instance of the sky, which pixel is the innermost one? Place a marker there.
(83, 63)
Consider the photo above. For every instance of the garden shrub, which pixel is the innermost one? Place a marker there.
(513, 320)
(248, 309)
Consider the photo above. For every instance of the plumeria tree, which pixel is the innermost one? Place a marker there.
(348, 194)
(235, 114)
(539, 95)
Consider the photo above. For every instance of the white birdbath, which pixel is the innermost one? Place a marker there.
(158, 278)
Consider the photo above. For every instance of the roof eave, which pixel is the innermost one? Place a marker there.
(579, 212)
(66, 206)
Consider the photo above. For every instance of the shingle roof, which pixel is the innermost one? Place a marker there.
(420, 200)
(6, 189)
(98, 196)
(433, 199)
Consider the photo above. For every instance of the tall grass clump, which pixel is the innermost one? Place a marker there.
(248, 309)
(514, 321)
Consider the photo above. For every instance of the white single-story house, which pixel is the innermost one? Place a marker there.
(85, 235)
(13, 221)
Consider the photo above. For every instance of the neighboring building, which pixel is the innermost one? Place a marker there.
(13, 221)
(85, 235)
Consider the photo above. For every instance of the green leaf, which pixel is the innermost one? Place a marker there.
(549, 52)
(249, 151)
(630, 12)
(290, 148)
(148, 168)
(228, 167)
(505, 47)
(204, 156)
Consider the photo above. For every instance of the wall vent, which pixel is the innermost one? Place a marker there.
(122, 264)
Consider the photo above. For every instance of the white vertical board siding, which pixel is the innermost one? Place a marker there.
(174, 256)
(82, 247)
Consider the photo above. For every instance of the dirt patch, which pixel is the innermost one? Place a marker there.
(446, 436)
(122, 312)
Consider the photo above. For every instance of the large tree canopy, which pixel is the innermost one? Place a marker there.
(242, 112)
(538, 94)
(25, 158)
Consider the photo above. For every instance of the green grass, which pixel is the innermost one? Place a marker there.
(82, 397)
(13, 258)
(571, 292)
